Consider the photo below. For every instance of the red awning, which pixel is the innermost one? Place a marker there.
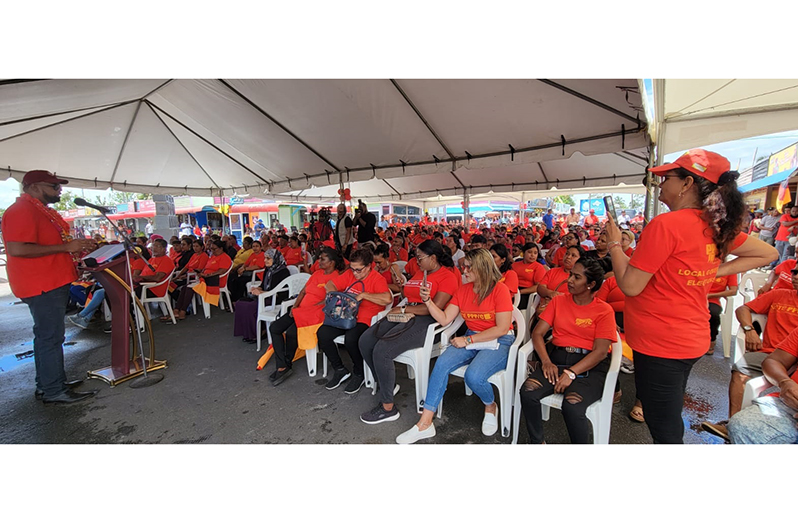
(254, 207)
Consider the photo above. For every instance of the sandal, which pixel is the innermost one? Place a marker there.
(166, 319)
(636, 414)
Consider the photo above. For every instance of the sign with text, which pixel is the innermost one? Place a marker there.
(784, 160)
(597, 204)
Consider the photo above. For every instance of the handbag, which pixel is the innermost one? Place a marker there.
(391, 333)
(340, 308)
(401, 318)
(544, 302)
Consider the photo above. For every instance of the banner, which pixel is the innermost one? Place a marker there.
(784, 160)
(597, 204)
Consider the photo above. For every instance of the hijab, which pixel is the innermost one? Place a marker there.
(278, 264)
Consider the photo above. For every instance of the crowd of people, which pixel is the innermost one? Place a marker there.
(595, 281)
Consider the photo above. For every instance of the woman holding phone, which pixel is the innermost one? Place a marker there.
(667, 277)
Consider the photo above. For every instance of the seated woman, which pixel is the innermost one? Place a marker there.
(505, 264)
(397, 250)
(215, 267)
(576, 364)
(195, 264)
(555, 256)
(247, 309)
(385, 340)
(371, 290)
(554, 282)
(486, 306)
(389, 271)
(306, 312)
(238, 285)
(602, 247)
(628, 242)
(293, 252)
(530, 273)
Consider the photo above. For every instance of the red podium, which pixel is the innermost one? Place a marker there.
(125, 364)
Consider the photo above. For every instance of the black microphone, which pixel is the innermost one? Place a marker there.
(83, 203)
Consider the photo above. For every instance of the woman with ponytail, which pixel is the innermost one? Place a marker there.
(667, 279)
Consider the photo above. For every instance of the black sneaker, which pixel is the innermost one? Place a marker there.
(378, 414)
(107, 329)
(338, 377)
(273, 375)
(282, 376)
(354, 384)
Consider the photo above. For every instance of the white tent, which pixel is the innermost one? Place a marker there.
(399, 138)
(697, 113)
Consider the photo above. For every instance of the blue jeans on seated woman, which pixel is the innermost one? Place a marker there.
(482, 364)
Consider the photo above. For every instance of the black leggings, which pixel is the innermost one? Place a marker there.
(715, 311)
(379, 354)
(660, 384)
(579, 395)
(327, 334)
(522, 304)
(284, 348)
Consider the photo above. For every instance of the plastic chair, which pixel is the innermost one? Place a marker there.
(293, 269)
(165, 301)
(223, 292)
(599, 413)
(738, 349)
(727, 321)
(516, 299)
(504, 380)
(529, 313)
(340, 340)
(750, 283)
(401, 265)
(268, 313)
(754, 388)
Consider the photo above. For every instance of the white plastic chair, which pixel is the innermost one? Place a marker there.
(738, 349)
(750, 283)
(164, 301)
(516, 299)
(727, 321)
(529, 313)
(254, 282)
(401, 265)
(268, 313)
(599, 413)
(293, 269)
(223, 292)
(754, 388)
(504, 380)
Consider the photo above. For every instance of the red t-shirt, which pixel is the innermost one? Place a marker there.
(215, 263)
(197, 262)
(442, 280)
(162, 264)
(412, 267)
(255, 261)
(292, 256)
(386, 274)
(591, 220)
(629, 252)
(393, 257)
(784, 271)
(137, 264)
(783, 233)
(374, 283)
(309, 311)
(670, 318)
(529, 274)
(790, 346)
(28, 277)
(579, 325)
(510, 279)
(781, 307)
(612, 294)
(721, 284)
(481, 315)
(555, 277)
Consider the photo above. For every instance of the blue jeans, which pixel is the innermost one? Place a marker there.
(482, 364)
(94, 304)
(781, 247)
(771, 423)
(48, 311)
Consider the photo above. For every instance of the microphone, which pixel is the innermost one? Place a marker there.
(80, 202)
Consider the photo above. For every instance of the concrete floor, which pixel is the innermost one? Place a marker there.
(211, 393)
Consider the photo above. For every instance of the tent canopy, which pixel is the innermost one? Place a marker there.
(697, 113)
(399, 138)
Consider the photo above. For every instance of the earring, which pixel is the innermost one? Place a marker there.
(681, 194)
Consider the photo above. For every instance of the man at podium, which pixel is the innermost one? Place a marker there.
(42, 259)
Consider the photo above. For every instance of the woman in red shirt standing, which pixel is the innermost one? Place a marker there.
(667, 279)
(576, 364)
(486, 306)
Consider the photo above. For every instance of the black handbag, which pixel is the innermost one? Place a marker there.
(340, 308)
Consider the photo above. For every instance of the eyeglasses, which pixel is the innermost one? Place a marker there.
(420, 258)
(358, 271)
(466, 266)
(53, 186)
(663, 178)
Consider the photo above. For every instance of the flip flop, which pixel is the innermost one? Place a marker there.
(636, 414)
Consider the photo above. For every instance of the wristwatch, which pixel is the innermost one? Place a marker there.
(569, 373)
(403, 309)
(748, 328)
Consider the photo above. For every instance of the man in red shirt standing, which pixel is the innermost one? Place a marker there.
(591, 219)
(41, 267)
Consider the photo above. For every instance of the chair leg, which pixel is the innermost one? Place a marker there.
(169, 309)
(516, 416)
(545, 410)
(257, 333)
(310, 359)
(324, 359)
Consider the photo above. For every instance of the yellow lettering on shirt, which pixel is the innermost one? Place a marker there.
(712, 252)
(584, 322)
(784, 307)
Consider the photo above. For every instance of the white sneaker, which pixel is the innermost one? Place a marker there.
(489, 423)
(414, 434)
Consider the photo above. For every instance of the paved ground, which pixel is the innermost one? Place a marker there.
(212, 393)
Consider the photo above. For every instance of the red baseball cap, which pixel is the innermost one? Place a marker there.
(705, 164)
(32, 177)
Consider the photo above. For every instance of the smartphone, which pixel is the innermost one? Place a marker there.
(424, 280)
(609, 205)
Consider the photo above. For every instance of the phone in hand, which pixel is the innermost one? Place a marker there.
(609, 205)
(424, 280)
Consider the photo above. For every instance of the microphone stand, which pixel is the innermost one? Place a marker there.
(145, 380)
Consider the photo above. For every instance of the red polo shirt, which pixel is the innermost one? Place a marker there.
(28, 277)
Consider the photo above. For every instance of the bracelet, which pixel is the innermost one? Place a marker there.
(425, 301)
(782, 381)
(469, 340)
(612, 244)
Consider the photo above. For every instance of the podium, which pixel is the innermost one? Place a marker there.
(125, 365)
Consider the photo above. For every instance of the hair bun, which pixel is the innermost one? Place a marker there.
(728, 176)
